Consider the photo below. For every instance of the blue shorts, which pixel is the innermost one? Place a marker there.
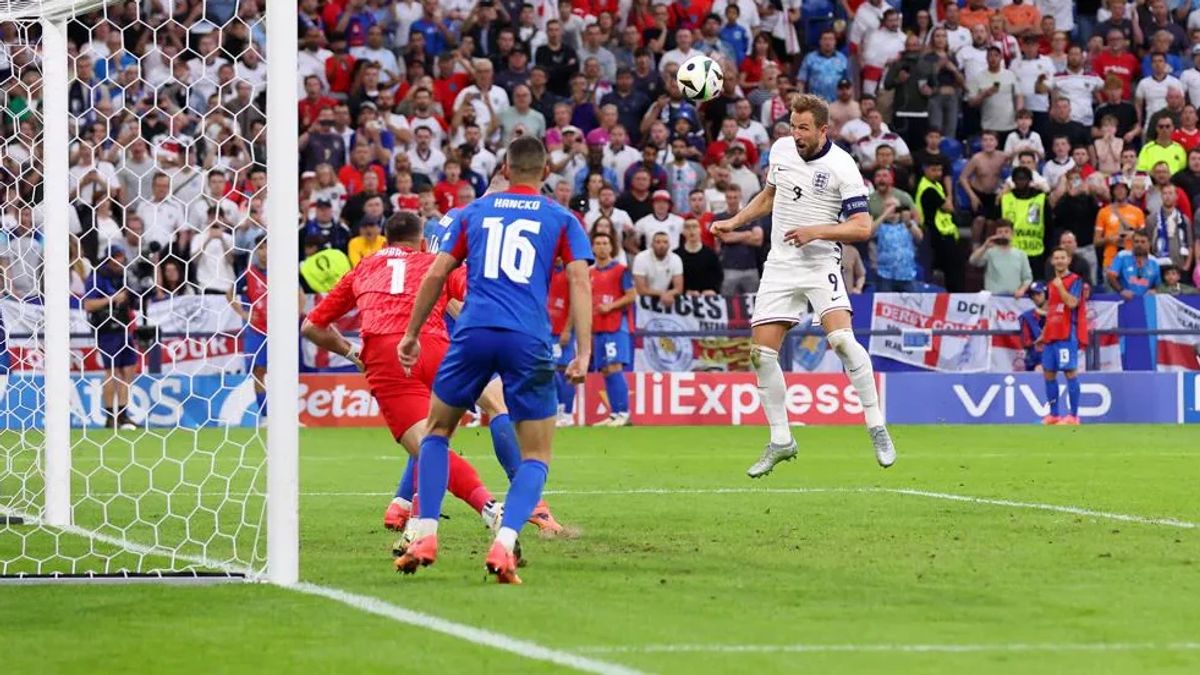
(116, 349)
(563, 356)
(525, 363)
(1033, 358)
(255, 345)
(1061, 355)
(610, 348)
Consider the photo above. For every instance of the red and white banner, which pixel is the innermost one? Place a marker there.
(1009, 356)
(1177, 352)
(928, 311)
(200, 334)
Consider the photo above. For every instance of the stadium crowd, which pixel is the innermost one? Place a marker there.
(988, 132)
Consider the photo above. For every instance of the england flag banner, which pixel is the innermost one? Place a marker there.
(1176, 352)
(929, 311)
(198, 333)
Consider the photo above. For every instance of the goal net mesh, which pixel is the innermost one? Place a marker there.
(167, 245)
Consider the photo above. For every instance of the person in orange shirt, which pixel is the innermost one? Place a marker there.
(1117, 221)
(1022, 17)
(975, 13)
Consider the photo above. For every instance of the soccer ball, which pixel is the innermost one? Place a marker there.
(700, 78)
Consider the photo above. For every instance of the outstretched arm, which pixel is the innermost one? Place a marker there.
(329, 339)
(759, 207)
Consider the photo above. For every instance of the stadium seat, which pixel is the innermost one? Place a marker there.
(975, 144)
(952, 148)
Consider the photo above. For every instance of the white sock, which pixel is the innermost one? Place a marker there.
(426, 527)
(507, 538)
(858, 368)
(772, 392)
(403, 502)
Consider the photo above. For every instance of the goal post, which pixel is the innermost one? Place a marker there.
(194, 480)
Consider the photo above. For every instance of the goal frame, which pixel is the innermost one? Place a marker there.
(282, 129)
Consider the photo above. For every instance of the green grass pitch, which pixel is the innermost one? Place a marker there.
(821, 567)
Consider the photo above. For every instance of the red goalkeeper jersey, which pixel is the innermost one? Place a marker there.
(559, 305)
(383, 287)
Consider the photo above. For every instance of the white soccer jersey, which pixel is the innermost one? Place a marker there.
(813, 192)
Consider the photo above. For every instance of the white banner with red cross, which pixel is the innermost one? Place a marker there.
(914, 312)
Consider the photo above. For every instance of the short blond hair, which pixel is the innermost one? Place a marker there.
(811, 103)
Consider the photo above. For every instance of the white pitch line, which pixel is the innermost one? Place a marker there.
(894, 648)
(477, 636)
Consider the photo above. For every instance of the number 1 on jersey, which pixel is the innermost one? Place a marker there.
(397, 265)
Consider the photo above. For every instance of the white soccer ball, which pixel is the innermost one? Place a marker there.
(700, 78)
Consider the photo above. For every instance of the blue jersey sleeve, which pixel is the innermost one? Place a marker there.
(574, 243)
(454, 239)
(626, 280)
(1076, 288)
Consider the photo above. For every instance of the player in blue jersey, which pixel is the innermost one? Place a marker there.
(500, 426)
(509, 241)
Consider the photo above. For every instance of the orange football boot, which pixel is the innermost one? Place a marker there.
(1051, 419)
(544, 520)
(1069, 421)
(502, 563)
(421, 553)
(396, 517)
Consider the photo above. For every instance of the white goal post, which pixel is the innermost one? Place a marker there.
(252, 530)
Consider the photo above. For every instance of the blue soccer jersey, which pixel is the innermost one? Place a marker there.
(509, 242)
(436, 229)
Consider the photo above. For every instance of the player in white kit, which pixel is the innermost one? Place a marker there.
(817, 200)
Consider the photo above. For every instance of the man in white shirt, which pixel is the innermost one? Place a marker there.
(856, 129)
(311, 59)
(162, 217)
(1151, 93)
(740, 173)
(619, 155)
(750, 128)
(881, 48)
(658, 271)
(995, 93)
(660, 220)
(203, 69)
(200, 210)
(972, 59)
(91, 179)
(622, 223)
(957, 35)
(1191, 77)
(878, 134)
(1034, 74)
(426, 159)
(484, 86)
(867, 19)
(1078, 86)
(212, 256)
(682, 52)
(250, 68)
(376, 51)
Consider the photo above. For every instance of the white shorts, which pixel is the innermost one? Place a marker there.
(786, 292)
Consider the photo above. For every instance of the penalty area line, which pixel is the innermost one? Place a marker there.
(477, 636)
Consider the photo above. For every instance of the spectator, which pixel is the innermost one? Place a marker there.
(945, 88)
(22, 256)
(658, 271)
(136, 173)
(559, 59)
(211, 260)
(1189, 178)
(1007, 269)
(361, 162)
(683, 175)
(650, 164)
(485, 97)
(164, 220)
(367, 242)
(619, 156)
(1151, 93)
(1024, 138)
(749, 128)
(1035, 77)
(1187, 134)
(1170, 232)
(661, 219)
(1171, 282)
(172, 282)
(326, 226)
(885, 158)
(1073, 209)
(1079, 264)
(939, 226)
(822, 69)
(980, 179)
(893, 249)
(854, 273)
(1024, 209)
(878, 134)
(741, 174)
(1135, 273)
(1116, 222)
(109, 303)
(329, 188)
(886, 194)
(995, 93)
(1108, 146)
(739, 250)
(368, 202)
(729, 137)
(1123, 112)
(593, 47)
(879, 48)
(1162, 149)
(702, 273)
(1061, 163)
(446, 191)
(1062, 123)
(909, 76)
(424, 158)
(521, 118)
(710, 43)
(1117, 61)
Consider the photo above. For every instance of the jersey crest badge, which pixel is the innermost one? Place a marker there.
(820, 181)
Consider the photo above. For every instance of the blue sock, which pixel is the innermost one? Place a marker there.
(1052, 395)
(618, 392)
(524, 493)
(1073, 395)
(260, 402)
(405, 489)
(433, 474)
(504, 443)
(566, 392)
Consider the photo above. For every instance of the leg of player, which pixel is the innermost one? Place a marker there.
(1072, 417)
(566, 399)
(504, 443)
(524, 494)
(766, 339)
(260, 390)
(857, 363)
(1051, 396)
(433, 476)
(400, 508)
(125, 377)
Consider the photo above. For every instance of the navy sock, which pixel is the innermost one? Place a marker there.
(433, 475)
(566, 392)
(260, 401)
(618, 392)
(524, 493)
(1073, 395)
(504, 443)
(405, 489)
(1052, 395)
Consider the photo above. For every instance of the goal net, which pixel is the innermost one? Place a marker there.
(134, 219)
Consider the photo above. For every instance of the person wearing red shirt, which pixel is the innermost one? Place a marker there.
(689, 13)
(447, 190)
(313, 102)
(1117, 61)
(383, 288)
(718, 148)
(351, 174)
(612, 294)
(339, 72)
(1187, 134)
(448, 83)
(332, 11)
(700, 212)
